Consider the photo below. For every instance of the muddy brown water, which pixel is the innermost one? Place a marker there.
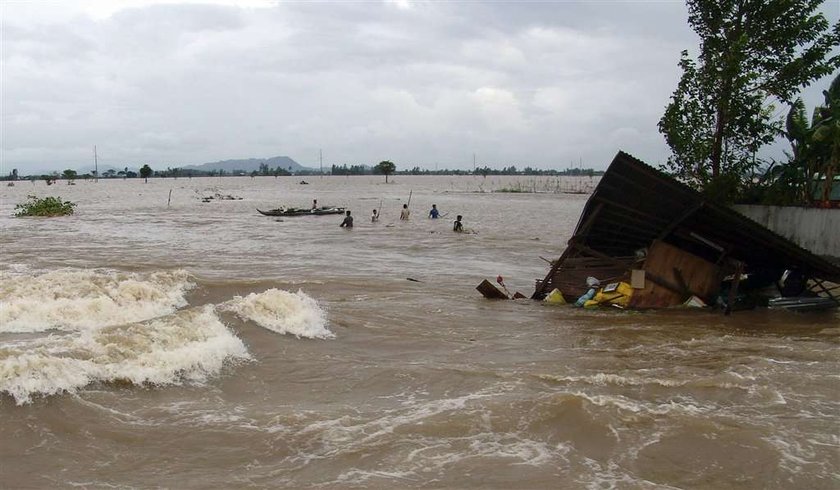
(201, 345)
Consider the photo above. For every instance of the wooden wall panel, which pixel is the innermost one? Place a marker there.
(698, 276)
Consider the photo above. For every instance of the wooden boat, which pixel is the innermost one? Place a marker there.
(301, 211)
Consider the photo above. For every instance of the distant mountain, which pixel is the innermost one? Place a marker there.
(249, 165)
(245, 165)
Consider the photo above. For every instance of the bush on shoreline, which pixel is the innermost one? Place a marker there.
(46, 206)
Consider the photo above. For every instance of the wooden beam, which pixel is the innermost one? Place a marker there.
(544, 284)
(647, 216)
(678, 221)
(733, 290)
(489, 291)
(633, 223)
(595, 253)
(583, 229)
(828, 291)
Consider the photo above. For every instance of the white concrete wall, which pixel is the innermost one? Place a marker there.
(816, 230)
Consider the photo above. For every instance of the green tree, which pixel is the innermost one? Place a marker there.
(146, 172)
(752, 52)
(70, 175)
(385, 167)
(815, 145)
(827, 137)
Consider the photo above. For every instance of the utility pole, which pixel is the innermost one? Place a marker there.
(321, 159)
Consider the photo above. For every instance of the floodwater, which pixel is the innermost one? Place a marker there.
(202, 345)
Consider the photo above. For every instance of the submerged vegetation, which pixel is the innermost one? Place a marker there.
(555, 185)
(45, 206)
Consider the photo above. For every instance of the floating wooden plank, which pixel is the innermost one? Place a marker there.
(489, 291)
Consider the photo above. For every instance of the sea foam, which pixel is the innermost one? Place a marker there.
(187, 346)
(283, 312)
(83, 299)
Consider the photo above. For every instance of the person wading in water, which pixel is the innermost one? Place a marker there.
(348, 221)
(457, 226)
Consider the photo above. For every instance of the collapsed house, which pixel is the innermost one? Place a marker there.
(669, 243)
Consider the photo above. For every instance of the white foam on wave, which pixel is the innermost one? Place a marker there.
(424, 449)
(190, 345)
(283, 312)
(681, 405)
(83, 299)
(722, 381)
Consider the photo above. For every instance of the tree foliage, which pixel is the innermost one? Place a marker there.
(70, 174)
(752, 53)
(45, 207)
(814, 161)
(385, 167)
(146, 172)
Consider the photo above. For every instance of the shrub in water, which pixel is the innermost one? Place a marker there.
(46, 206)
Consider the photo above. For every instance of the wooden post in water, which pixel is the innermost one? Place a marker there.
(733, 289)
(170, 198)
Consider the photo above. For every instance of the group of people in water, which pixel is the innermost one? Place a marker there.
(457, 225)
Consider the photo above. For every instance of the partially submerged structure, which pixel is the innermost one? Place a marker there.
(670, 243)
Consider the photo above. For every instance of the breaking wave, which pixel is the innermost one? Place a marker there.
(283, 312)
(84, 299)
(188, 346)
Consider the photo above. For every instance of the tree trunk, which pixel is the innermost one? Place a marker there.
(729, 67)
(717, 142)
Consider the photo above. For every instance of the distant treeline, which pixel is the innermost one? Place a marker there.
(511, 170)
(265, 170)
(168, 173)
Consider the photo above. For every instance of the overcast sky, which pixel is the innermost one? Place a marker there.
(548, 84)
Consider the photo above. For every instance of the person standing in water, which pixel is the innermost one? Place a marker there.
(434, 213)
(348, 221)
(457, 226)
(404, 213)
(314, 204)
(374, 217)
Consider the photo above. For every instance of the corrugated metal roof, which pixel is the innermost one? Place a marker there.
(635, 203)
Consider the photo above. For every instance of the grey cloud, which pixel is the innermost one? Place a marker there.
(542, 83)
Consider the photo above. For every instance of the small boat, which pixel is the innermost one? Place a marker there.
(800, 303)
(301, 211)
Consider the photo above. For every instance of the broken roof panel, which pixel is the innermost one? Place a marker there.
(635, 204)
